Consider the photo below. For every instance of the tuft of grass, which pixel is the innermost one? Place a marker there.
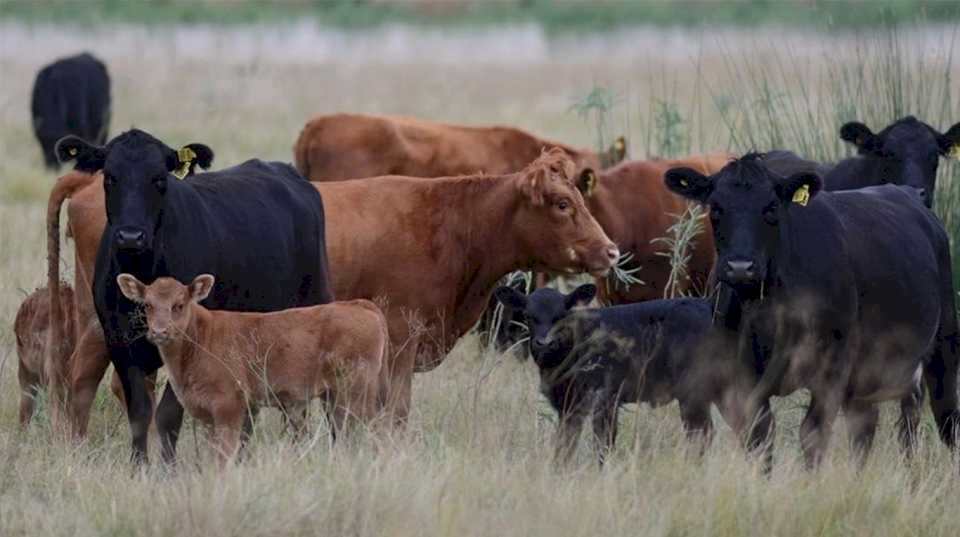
(680, 242)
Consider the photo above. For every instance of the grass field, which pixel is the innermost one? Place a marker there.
(477, 457)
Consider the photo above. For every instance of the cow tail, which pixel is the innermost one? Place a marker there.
(940, 375)
(55, 362)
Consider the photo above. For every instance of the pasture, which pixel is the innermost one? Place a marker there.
(477, 459)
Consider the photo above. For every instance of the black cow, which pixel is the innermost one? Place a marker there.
(502, 327)
(259, 227)
(70, 96)
(592, 361)
(905, 153)
(848, 294)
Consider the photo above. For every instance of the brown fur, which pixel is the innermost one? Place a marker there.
(434, 253)
(632, 204)
(224, 364)
(348, 146)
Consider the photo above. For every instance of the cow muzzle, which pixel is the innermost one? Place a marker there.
(128, 238)
(739, 272)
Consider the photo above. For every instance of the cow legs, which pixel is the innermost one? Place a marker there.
(227, 429)
(169, 421)
(87, 365)
(817, 426)
(697, 424)
(940, 376)
(760, 434)
(910, 407)
(29, 386)
(568, 432)
(862, 419)
(605, 429)
(139, 410)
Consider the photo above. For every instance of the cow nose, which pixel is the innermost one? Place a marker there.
(539, 342)
(130, 239)
(613, 254)
(740, 270)
(922, 192)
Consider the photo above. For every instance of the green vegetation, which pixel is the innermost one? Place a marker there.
(554, 15)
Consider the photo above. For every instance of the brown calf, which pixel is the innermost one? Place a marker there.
(349, 146)
(433, 249)
(223, 365)
(634, 207)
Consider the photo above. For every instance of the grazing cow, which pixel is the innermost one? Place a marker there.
(70, 96)
(592, 361)
(350, 146)
(447, 242)
(907, 152)
(224, 365)
(634, 208)
(848, 294)
(257, 226)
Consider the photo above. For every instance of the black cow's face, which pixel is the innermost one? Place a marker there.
(747, 204)
(137, 169)
(542, 310)
(912, 147)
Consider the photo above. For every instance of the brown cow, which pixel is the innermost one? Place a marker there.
(634, 207)
(434, 253)
(32, 329)
(349, 146)
(223, 365)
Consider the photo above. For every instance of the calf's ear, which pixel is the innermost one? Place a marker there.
(949, 142)
(581, 296)
(89, 158)
(131, 287)
(861, 136)
(799, 188)
(200, 287)
(587, 182)
(616, 153)
(689, 183)
(510, 297)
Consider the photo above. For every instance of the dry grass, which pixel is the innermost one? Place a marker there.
(477, 458)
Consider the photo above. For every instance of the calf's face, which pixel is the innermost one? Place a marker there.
(167, 303)
(912, 146)
(542, 310)
(747, 205)
(137, 169)
(554, 223)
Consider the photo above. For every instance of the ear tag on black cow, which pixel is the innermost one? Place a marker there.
(802, 196)
(186, 156)
(684, 183)
(954, 152)
(73, 151)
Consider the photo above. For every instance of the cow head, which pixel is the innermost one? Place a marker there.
(167, 303)
(137, 169)
(553, 221)
(542, 310)
(747, 203)
(911, 147)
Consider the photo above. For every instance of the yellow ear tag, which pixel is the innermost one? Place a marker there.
(802, 196)
(73, 151)
(684, 183)
(186, 156)
(954, 152)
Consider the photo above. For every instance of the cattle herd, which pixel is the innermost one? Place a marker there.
(267, 284)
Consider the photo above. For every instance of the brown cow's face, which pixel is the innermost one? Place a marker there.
(554, 223)
(167, 303)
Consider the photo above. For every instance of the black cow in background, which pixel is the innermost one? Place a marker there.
(70, 96)
(907, 152)
(848, 294)
(593, 361)
(258, 227)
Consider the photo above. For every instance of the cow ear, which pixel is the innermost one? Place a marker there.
(617, 152)
(581, 296)
(186, 159)
(131, 287)
(689, 183)
(587, 182)
(949, 142)
(200, 287)
(861, 136)
(799, 188)
(89, 158)
(510, 297)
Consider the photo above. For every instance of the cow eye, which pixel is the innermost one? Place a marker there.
(770, 214)
(160, 182)
(177, 308)
(109, 180)
(563, 205)
(148, 307)
(716, 212)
